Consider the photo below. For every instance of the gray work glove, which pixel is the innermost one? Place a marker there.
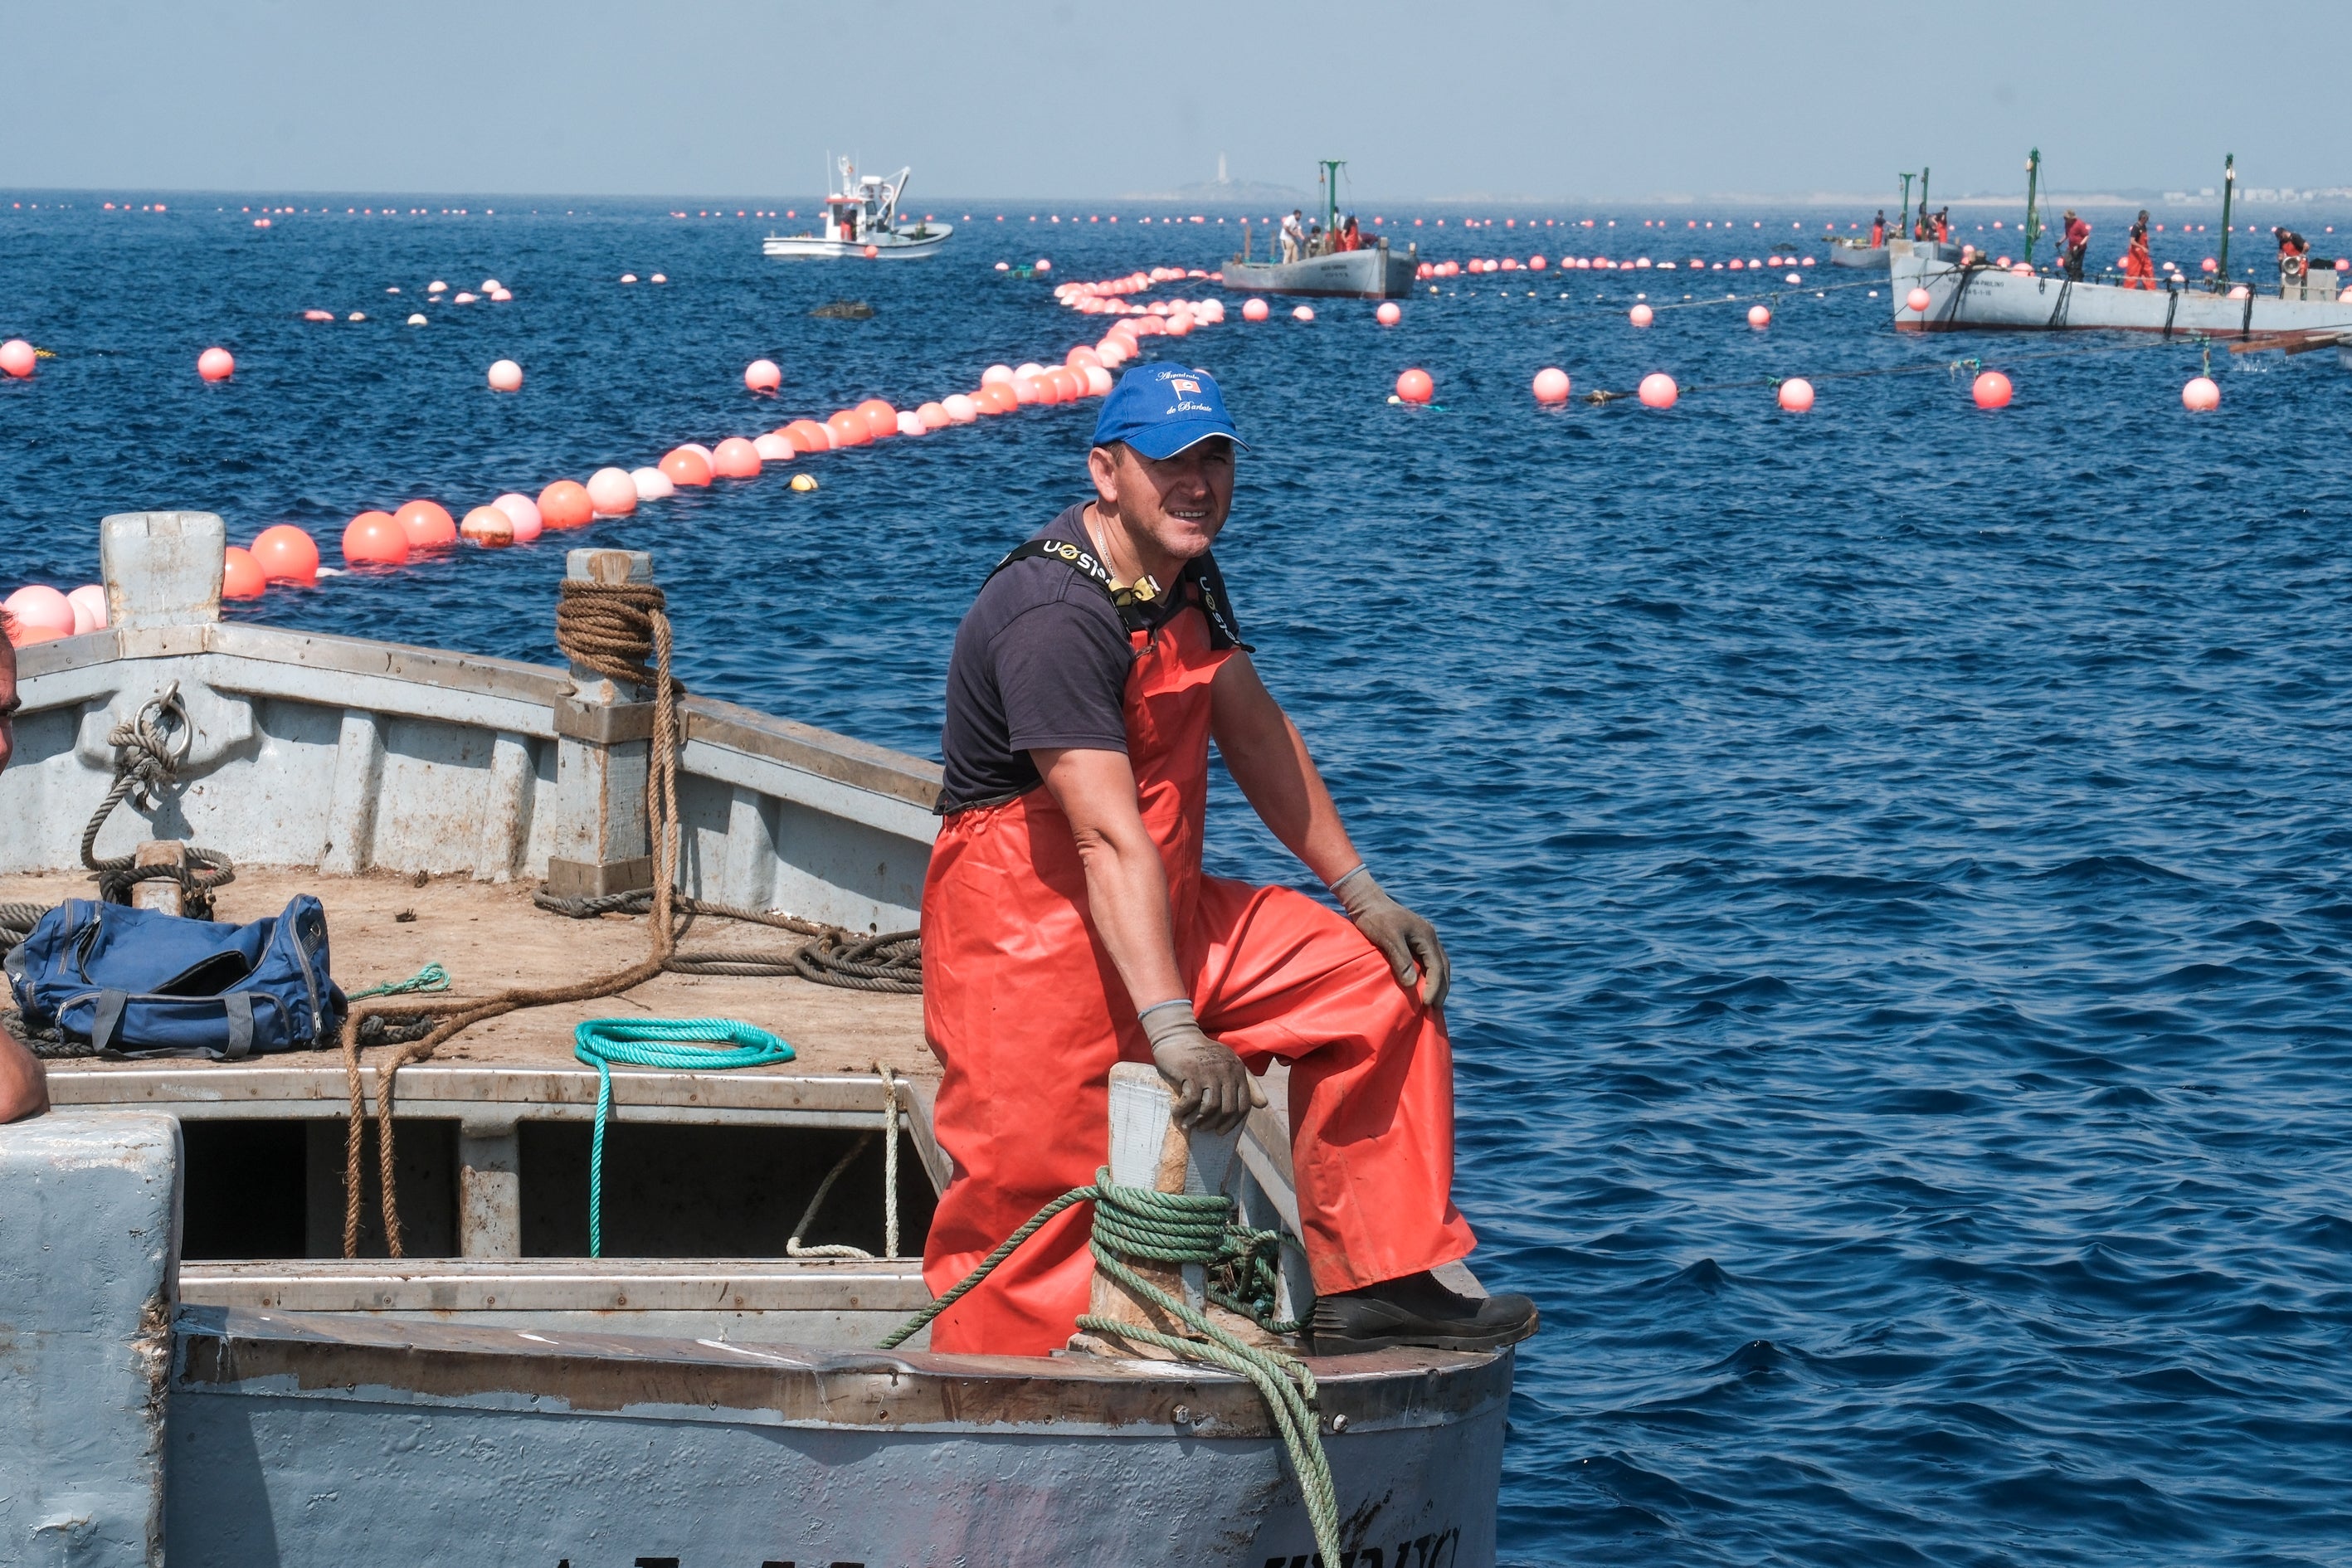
(1214, 1091)
(1408, 941)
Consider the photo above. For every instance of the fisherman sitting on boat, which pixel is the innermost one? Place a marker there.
(24, 1085)
(2078, 243)
(1067, 925)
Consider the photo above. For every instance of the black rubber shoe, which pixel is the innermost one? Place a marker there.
(1419, 1312)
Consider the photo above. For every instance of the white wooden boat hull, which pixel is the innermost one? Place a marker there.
(913, 245)
(1989, 298)
(1377, 273)
(1856, 254)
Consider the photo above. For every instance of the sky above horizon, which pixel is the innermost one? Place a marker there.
(1072, 99)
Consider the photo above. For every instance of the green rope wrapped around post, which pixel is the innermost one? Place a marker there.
(1138, 1224)
(683, 1045)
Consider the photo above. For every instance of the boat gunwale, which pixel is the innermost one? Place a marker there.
(242, 1351)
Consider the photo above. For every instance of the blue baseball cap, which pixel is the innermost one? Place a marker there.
(1159, 410)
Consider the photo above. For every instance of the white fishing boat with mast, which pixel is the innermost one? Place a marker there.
(2307, 308)
(861, 219)
(1372, 272)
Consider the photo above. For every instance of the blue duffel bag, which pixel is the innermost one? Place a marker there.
(138, 982)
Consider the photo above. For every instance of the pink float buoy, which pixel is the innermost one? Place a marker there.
(1658, 390)
(1255, 310)
(241, 576)
(911, 423)
(933, 416)
(763, 375)
(1758, 317)
(961, 409)
(611, 492)
(1415, 386)
(1992, 390)
(39, 609)
(1796, 395)
(651, 484)
(1917, 301)
(487, 528)
(735, 459)
(287, 555)
(1303, 313)
(1098, 381)
(505, 376)
(1389, 314)
(88, 603)
(2201, 395)
(996, 373)
(528, 524)
(216, 365)
(427, 524)
(1551, 385)
(1641, 315)
(773, 448)
(17, 358)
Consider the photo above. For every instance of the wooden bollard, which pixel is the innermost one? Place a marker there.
(162, 894)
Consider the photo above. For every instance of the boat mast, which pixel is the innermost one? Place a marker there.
(1329, 176)
(1903, 222)
(2033, 191)
(1923, 193)
(2229, 187)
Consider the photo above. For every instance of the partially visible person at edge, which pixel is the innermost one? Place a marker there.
(2078, 242)
(2139, 267)
(1067, 925)
(1878, 229)
(24, 1085)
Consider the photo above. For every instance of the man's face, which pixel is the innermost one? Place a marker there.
(1179, 503)
(8, 701)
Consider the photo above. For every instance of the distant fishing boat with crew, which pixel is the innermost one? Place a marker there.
(2308, 307)
(1335, 260)
(861, 219)
(1871, 255)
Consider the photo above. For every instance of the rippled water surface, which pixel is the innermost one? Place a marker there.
(1893, 856)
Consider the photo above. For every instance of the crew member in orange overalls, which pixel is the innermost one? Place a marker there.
(2139, 268)
(1878, 229)
(1067, 925)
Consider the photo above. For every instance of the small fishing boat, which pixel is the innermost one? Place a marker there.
(664, 1352)
(1979, 294)
(861, 219)
(1370, 272)
(1857, 253)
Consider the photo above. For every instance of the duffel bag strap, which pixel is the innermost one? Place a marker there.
(106, 1017)
(240, 1006)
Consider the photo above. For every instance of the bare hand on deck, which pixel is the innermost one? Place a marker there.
(1214, 1091)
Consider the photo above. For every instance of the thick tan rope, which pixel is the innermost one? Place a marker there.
(609, 629)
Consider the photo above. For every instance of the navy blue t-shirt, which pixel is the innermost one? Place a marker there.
(1040, 660)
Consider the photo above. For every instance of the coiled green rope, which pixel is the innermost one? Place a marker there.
(688, 1045)
(1137, 1223)
(432, 977)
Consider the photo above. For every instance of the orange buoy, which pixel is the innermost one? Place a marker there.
(960, 407)
(1641, 315)
(1659, 390)
(1415, 386)
(934, 417)
(1992, 390)
(849, 427)
(523, 513)
(88, 603)
(2201, 395)
(684, 466)
(566, 504)
(1080, 357)
(881, 418)
(41, 613)
(611, 493)
(373, 539)
(427, 524)
(216, 365)
(763, 375)
(1069, 384)
(487, 527)
(872, 251)
(241, 575)
(1796, 395)
(1758, 317)
(505, 376)
(287, 555)
(1917, 301)
(1389, 314)
(1551, 385)
(1026, 389)
(735, 459)
(807, 435)
(1254, 311)
(17, 358)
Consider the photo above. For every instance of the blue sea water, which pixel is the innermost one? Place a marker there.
(1893, 856)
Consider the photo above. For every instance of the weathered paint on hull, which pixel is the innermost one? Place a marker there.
(1988, 298)
(1375, 274)
(294, 1443)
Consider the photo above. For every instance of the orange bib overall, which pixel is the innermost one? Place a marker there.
(1026, 1015)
